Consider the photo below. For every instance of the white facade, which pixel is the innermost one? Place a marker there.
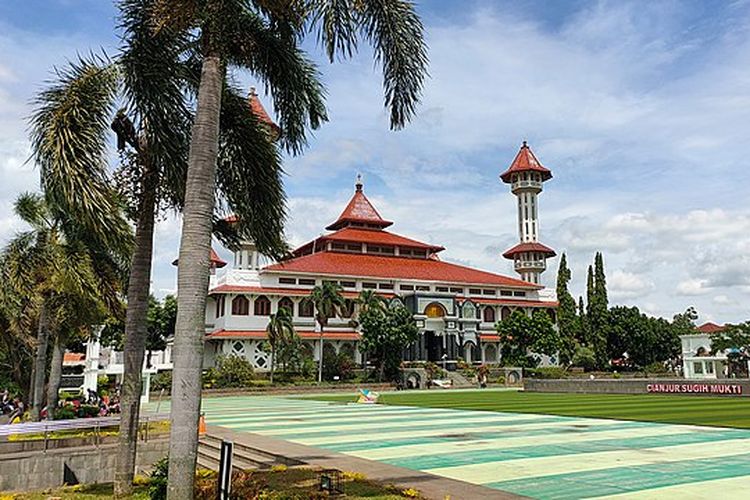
(698, 361)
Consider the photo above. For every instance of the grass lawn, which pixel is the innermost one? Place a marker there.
(696, 410)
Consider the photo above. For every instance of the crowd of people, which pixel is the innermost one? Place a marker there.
(91, 405)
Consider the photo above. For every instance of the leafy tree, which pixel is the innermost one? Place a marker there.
(583, 323)
(264, 37)
(684, 323)
(67, 278)
(567, 320)
(522, 336)
(646, 340)
(386, 332)
(280, 330)
(735, 339)
(328, 303)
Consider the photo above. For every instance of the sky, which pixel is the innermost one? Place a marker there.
(640, 109)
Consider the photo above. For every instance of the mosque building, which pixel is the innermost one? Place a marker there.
(456, 307)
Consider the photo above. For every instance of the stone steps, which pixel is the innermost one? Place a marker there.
(245, 457)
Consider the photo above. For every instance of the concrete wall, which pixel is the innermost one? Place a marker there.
(35, 470)
(726, 387)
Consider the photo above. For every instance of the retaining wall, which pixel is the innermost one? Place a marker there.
(722, 387)
(37, 470)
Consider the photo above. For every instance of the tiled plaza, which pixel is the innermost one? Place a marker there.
(539, 456)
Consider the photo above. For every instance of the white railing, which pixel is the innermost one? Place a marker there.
(96, 424)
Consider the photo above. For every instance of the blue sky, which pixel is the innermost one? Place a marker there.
(640, 109)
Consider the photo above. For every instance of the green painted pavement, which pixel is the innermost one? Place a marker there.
(618, 480)
(441, 460)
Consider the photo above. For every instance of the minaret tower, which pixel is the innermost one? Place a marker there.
(526, 176)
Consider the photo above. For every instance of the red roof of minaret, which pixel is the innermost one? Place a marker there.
(359, 210)
(525, 161)
(260, 112)
(529, 247)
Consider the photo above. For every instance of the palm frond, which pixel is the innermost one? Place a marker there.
(249, 176)
(30, 207)
(69, 143)
(396, 32)
(338, 26)
(154, 85)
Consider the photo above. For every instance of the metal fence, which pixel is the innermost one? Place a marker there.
(45, 428)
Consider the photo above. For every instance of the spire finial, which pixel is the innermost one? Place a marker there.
(252, 92)
(524, 145)
(358, 184)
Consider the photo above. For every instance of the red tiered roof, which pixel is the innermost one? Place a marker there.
(359, 210)
(525, 161)
(376, 266)
(369, 236)
(529, 247)
(710, 328)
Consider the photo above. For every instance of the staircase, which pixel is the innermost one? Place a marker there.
(245, 457)
(459, 380)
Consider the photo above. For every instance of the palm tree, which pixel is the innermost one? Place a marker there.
(280, 330)
(328, 303)
(67, 276)
(264, 37)
(154, 75)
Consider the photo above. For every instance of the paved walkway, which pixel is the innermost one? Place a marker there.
(539, 456)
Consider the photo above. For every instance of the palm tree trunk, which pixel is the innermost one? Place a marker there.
(272, 363)
(320, 359)
(192, 282)
(40, 362)
(55, 376)
(135, 335)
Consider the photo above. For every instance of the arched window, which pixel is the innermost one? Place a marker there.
(505, 313)
(262, 306)
(551, 314)
(240, 306)
(489, 314)
(434, 310)
(286, 303)
(306, 308)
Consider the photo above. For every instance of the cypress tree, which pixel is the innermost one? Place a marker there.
(598, 311)
(589, 301)
(583, 324)
(566, 313)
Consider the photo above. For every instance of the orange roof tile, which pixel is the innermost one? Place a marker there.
(529, 247)
(710, 328)
(525, 161)
(360, 210)
(73, 357)
(375, 266)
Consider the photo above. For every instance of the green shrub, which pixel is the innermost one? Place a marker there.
(65, 413)
(158, 484)
(162, 380)
(340, 365)
(584, 357)
(229, 372)
(655, 367)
